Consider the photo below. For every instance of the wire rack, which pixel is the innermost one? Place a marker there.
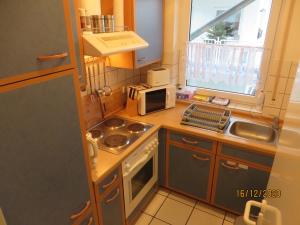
(206, 117)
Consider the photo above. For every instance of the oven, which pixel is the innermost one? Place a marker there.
(140, 173)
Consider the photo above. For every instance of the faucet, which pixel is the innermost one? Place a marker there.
(275, 123)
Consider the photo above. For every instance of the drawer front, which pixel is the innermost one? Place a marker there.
(191, 140)
(248, 155)
(234, 182)
(189, 172)
(112, 208)
(109, 181)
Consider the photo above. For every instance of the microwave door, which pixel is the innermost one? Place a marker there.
(156, 100)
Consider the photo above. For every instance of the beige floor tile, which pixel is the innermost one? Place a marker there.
(163, 191)
(155, 204)
(157, 222)
(202, 218)
(230, 217)
(211, 210)
(227, 223)
(182, 198)
(144, 219)
(174, 212)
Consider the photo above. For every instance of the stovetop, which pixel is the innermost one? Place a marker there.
(116, 134)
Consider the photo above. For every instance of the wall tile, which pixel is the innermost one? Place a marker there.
(285, 69)
(282, 114)
(274, 104)
(270, 84)
(289, 86)
(293, 70)
(270, 112)
(285, 102)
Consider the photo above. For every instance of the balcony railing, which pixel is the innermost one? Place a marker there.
(223, 67)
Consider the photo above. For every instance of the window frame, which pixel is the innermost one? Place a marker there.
(184, 38)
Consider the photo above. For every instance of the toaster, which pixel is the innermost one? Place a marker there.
(158, 77)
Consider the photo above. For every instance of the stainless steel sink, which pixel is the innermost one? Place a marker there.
(253, 131)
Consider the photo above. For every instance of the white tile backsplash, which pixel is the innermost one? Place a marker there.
(270, 112)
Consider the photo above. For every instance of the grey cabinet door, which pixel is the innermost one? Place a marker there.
(112, 208)
(89, 220)
(29, 29)
(149, 22)
(42, 167)
(189, 172)
(232, 178)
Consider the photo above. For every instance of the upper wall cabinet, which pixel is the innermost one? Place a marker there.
(145, 17)
(35, 38)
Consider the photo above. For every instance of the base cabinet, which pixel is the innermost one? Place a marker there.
(189, 172)
(236, 183)
(110, 199)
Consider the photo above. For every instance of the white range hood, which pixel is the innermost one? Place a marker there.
(104, 44)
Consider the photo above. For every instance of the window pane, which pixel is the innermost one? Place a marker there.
(226, 44)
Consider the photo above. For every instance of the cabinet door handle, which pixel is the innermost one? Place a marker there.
(91, 221)
(51, 57)
(87, 206)
(189, 141)
(114, 197)
(230, 167)
(200, 158)
(105, 186)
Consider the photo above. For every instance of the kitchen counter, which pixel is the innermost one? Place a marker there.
(170, 119)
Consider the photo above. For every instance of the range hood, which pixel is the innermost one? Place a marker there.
(104, 44)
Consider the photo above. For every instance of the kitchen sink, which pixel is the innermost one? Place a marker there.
(253, 131)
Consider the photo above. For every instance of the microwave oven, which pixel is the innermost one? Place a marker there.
(156, 99)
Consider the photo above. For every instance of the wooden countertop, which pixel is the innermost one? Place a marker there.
(170, 119)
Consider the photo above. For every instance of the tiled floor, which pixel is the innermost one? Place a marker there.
(171, 208)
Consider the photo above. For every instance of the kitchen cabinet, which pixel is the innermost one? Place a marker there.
(36, 39)
(190, 171)
(110, 199)
(112, 208)
(145, 17)
(44, 177)
(236, 183)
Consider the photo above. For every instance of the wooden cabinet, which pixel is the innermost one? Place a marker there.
(110, 199)
(36, 39)
(112, 207)
(149, 25)
(190, 172)
(189, 168)
(145, 17)
(236, 183)
(240, 175)
(42, 168)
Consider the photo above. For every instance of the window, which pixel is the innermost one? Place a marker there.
(226, 44)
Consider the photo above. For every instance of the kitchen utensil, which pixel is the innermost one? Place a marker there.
(90, 80)
(107, 91)
(98, 23)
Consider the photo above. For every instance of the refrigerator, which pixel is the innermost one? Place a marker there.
(285, 174)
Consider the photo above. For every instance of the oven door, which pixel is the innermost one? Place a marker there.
(139, 180)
